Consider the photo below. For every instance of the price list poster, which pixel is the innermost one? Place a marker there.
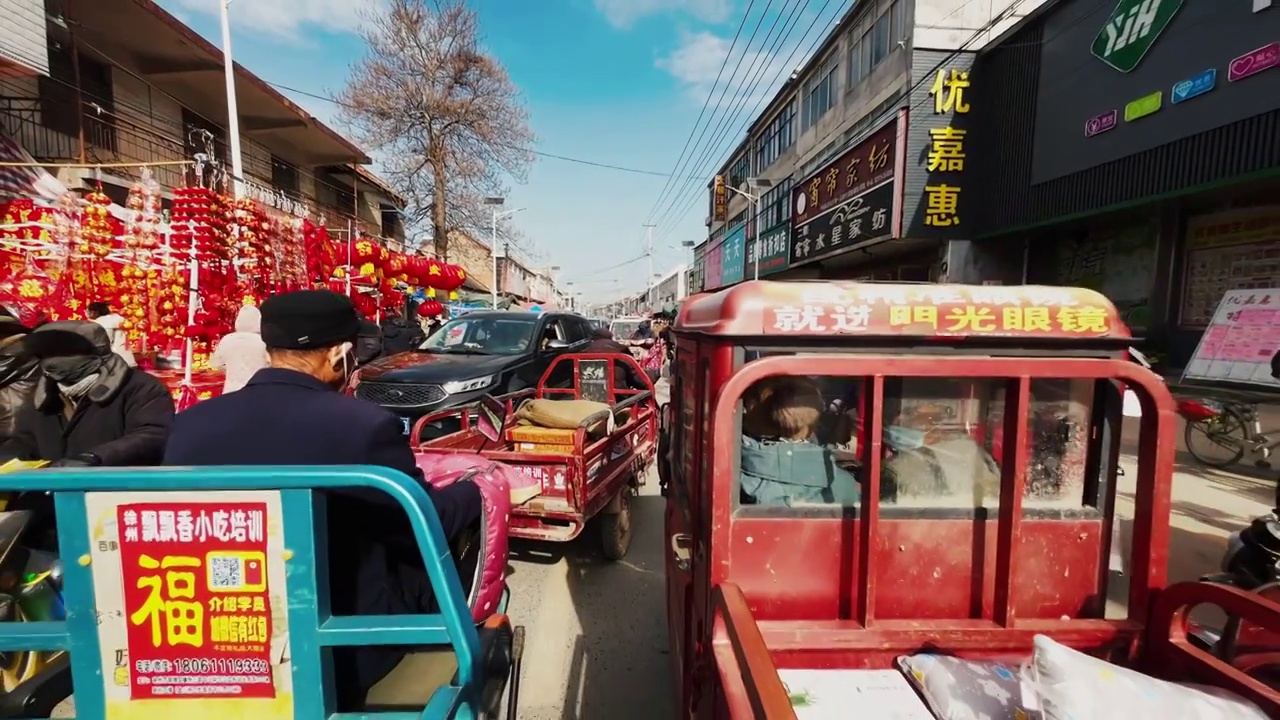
(1240, 340)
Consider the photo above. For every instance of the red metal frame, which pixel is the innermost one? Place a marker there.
(596, 471)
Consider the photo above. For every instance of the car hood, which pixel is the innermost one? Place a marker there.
(424, 367)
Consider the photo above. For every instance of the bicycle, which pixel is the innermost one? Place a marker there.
(1231, 425)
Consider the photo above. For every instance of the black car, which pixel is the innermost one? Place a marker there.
(481, 352)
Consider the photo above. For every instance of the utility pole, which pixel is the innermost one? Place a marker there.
(648, 282)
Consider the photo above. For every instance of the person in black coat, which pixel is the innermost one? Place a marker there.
(89, 408)
(291, 413)
(400, 334)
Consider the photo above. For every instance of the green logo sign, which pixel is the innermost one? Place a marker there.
(1144, 106)
(1131, 30)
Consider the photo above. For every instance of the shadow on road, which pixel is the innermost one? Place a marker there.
(619, 667)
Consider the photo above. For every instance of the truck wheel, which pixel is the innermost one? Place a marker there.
(615, 528)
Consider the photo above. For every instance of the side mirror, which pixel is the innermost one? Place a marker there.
(557, 345)
(491, 418)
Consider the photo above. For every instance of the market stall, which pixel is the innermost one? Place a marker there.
(179, 280)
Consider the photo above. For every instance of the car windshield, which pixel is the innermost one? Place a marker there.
(482, 335)
(624, 329)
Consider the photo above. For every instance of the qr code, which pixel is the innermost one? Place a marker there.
(226, 572)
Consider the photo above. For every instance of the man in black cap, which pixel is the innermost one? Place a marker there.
(90, 408)
(292, 413)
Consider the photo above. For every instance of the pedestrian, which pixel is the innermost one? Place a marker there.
(100, 313)
(89, 408)
(602, 342)
(400, 334)
(291, 413)
(242, 353)
(19, 373)
(368, 343)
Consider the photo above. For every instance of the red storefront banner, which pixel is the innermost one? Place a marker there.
(197, 609)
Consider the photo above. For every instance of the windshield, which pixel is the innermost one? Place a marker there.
(483, 336)
(624, 329)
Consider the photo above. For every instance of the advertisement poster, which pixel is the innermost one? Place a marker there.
(1117, 262)
(1234, 250)
(192, 605)
(1240, 340)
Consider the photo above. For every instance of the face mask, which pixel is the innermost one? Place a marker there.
(902, 438)
(344, 364)
(71, 369)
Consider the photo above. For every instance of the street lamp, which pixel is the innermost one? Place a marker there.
(497, 202)
(758, 185)
(233, 113)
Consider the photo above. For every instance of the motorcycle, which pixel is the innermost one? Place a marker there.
(32, 682)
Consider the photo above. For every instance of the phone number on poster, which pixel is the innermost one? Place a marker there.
(252, 666)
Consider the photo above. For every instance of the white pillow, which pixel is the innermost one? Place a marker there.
(1073, 686)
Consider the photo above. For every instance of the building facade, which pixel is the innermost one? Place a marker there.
(872, 81)
(1133, 149)
(125, 82)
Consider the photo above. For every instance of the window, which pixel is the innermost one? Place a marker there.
(775, 206)
(392, 223)
(777, 138)
(61, 110)
(820, 92)
(739, 171)
(333, 194)
(880, 39)
(898, 22)
(285, 178)
(942, 442)
(854, 71)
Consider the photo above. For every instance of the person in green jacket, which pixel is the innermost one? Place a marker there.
(782, 463)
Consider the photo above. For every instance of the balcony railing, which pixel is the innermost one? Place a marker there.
(111, 138)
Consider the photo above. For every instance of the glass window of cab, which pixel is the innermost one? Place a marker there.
(803, 443)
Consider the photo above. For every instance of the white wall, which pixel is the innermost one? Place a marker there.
(949, 25)
(23, 37)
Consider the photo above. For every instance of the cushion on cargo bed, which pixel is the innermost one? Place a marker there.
(960, 689)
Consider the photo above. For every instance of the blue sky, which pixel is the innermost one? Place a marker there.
(618, 82)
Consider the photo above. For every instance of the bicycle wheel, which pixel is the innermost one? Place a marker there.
(1223, 433)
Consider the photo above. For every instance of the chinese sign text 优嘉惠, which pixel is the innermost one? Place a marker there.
(946, 152)
(198, 612)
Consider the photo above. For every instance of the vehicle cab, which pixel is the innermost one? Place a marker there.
(479, 353)
(859, 473)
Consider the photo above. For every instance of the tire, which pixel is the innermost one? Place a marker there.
(615, 529)
(1227, 426)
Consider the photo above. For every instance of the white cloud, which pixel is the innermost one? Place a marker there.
(750, 75)
(285, 18)
(623, 13)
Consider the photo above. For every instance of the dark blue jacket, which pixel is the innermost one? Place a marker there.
(282, 417)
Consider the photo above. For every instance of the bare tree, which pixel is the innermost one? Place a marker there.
(441, 115)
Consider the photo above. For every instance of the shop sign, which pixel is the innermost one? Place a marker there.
(1194, 87)
(1144, 106)
(859, 170)
(938, 145)
(713, 267)
(947, 310)
(1099, 124)
(719, 200)
(775, 251)
(862, 219)
(1131, 31)
(732, 254)
(1227, 251)
(1250, 64)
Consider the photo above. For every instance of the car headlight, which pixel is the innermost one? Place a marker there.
(462, 386)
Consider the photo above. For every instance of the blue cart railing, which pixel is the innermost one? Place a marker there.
(312, 631)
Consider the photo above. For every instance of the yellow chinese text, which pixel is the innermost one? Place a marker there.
(170, 608)
(946, 149)
(941, 203)
(948, 92)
